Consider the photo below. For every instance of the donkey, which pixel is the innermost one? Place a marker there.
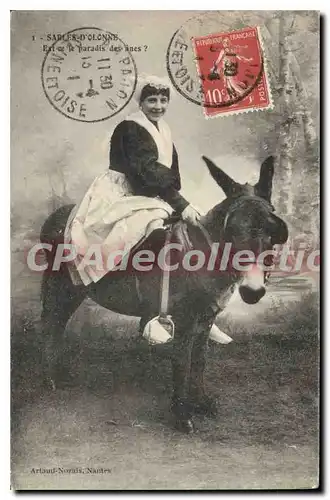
(245, 219)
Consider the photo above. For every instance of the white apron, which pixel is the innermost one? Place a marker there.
(111, 218)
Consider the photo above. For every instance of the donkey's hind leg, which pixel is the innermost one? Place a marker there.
(60, 299)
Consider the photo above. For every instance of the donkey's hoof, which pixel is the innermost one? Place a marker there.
(207, 407)
(182, 412)
(181, 408)
(186, 426)
(50, 384)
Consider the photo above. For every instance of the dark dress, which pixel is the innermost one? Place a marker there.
(134, 153)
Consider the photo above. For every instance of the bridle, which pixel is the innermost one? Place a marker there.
(232, 208)
(240, 200)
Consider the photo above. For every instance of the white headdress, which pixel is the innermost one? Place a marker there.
(154, 81)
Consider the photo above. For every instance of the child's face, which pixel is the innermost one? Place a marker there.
(154, 106)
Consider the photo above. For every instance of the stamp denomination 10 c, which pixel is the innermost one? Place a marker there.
(232, 72)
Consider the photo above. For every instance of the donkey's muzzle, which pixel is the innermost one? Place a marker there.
(250, 295)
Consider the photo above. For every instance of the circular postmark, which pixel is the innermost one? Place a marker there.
(215, 63)
(88, 75)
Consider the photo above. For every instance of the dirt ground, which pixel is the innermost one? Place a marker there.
(112, 410)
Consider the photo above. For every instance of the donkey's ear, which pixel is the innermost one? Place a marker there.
(227, 184)
(263, 188)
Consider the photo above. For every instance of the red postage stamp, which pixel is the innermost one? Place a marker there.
(232, 70)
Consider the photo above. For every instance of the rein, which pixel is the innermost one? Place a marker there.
(206, 234)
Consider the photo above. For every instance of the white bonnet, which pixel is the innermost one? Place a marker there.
(153, 81)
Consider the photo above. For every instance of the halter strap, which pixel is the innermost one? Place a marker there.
(241, 200)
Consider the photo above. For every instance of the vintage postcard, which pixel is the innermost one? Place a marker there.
(165, 250)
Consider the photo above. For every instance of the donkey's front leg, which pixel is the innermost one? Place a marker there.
(181, 364)
(201, 403)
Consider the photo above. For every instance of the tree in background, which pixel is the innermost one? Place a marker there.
(307, 201)
(287, 118)
(297, 174)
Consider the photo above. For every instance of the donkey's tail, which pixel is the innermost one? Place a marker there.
(52, 232)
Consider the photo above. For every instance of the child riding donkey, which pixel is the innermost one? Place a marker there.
(140, 190)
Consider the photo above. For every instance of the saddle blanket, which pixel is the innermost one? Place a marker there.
(111, 218)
